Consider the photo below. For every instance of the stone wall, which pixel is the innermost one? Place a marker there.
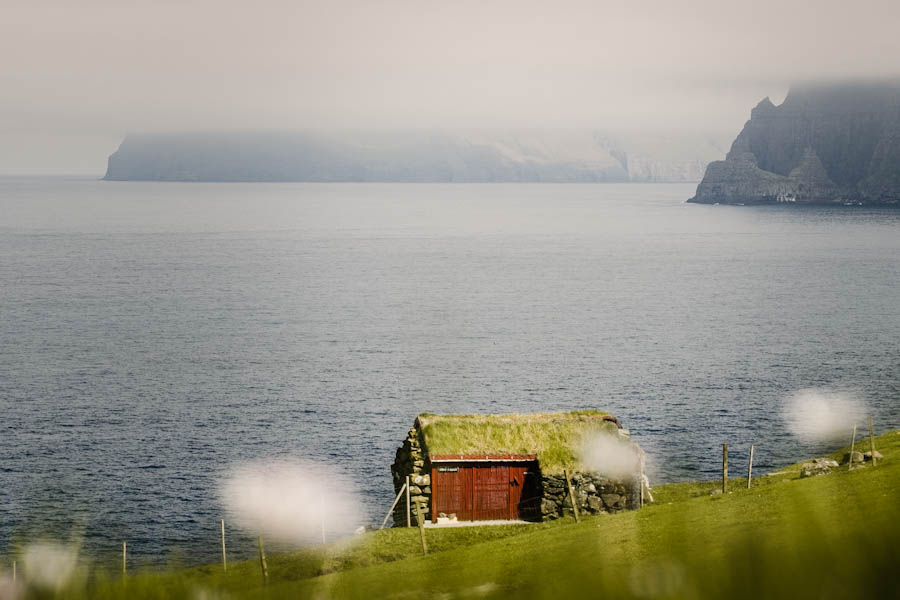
(411, 460)
(593, 494)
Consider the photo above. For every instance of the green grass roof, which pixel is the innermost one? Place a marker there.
(554, 437)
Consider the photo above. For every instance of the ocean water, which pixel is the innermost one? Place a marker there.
(153, 335)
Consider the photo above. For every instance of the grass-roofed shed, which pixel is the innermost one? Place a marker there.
(510, 466)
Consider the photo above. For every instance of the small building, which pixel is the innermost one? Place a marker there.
(513, 466)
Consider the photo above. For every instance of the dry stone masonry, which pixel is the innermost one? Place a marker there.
(411, 461)
(593, 494)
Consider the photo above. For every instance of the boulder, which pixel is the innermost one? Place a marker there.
(857, 458)
(614, 501)
(420, 480)
(819, 466)
(868, 455)
(549, 507)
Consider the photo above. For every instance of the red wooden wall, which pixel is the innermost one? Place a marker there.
(486, 491)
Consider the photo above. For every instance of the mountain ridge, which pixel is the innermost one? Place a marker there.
(404, 157)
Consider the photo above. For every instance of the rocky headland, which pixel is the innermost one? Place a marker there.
(587, 157)
(835, 143)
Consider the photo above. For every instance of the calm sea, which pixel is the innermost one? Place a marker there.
(154, 334)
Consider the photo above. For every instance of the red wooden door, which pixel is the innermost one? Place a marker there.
(516, 485)
(524, 491)
(491, 492)
(451, 487)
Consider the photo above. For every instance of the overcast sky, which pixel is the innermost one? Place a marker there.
(76, 76)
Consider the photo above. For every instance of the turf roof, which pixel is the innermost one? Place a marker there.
(554, 437)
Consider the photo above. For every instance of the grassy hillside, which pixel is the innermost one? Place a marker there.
(832, 536)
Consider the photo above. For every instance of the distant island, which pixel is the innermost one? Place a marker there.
(412, 157)
(836, 143)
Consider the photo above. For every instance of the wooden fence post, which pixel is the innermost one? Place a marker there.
(852, 447)
(408, 517)
(572, 496)
(262, 560)
(872, 441)
(420, 519)
(14, 571)
(724, 468)
(391, 509)
(224, 560)
(124, 559)
(750, 467)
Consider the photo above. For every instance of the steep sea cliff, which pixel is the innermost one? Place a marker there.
(825, 144)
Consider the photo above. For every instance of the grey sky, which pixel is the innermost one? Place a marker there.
(76, 76)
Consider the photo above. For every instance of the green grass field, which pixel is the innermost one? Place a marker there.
(832, 536)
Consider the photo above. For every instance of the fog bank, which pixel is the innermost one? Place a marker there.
(97, 70)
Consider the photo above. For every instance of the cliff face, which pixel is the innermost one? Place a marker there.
(378, 157)
(833, 143)
(409, 157)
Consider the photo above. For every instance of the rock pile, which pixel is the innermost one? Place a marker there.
(860, 457)
(822, 466)
(818, 466)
